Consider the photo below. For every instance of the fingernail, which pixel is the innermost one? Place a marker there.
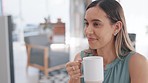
(79, 60)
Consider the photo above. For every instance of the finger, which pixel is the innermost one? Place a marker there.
(75, 72)
(76, 76)
(68, 64)
(69, 69)
(75, 63)
(73, 68)
(80, 61)
(76, 67)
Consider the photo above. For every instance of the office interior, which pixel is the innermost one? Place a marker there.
(29, 17)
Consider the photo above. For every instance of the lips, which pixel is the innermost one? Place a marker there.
(91, 39)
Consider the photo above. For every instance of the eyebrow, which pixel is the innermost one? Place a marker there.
(94, 20)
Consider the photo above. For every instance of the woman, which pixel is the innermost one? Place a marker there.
(105, 29)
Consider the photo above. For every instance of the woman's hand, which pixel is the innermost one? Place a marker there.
(73, 69)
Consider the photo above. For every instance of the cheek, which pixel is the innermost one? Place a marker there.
(84, 31)
(104, 37)
(107, 37)
(98, 34)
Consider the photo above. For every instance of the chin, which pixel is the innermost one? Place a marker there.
(92, 47)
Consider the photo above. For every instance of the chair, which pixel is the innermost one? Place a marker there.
(39, 54)
(132, 37)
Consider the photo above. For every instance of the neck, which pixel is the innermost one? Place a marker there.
(108, 53)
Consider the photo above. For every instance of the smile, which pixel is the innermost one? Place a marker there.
(92, 39)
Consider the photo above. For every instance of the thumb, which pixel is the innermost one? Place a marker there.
(80, 63)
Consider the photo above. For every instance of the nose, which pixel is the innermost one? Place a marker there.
(89, 30)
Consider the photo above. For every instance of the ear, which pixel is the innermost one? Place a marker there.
(117, 27)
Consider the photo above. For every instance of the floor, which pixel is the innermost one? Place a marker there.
(31, 76)
(20, 58)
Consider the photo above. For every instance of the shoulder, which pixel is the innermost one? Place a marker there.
(137, 56)
(83, 53)
(138, 59)
(138, 66)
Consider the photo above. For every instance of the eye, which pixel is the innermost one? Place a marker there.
(86, 24)
(95, 24)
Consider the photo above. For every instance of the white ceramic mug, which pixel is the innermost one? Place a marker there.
(93, 71)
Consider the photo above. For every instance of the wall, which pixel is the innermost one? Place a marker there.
(136, 15)
(0, 7)
(4, 51)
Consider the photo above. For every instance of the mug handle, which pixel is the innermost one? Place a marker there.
(82, 76)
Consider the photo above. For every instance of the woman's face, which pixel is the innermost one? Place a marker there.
(98, 28)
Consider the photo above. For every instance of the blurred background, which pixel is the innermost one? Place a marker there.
(62, 22)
